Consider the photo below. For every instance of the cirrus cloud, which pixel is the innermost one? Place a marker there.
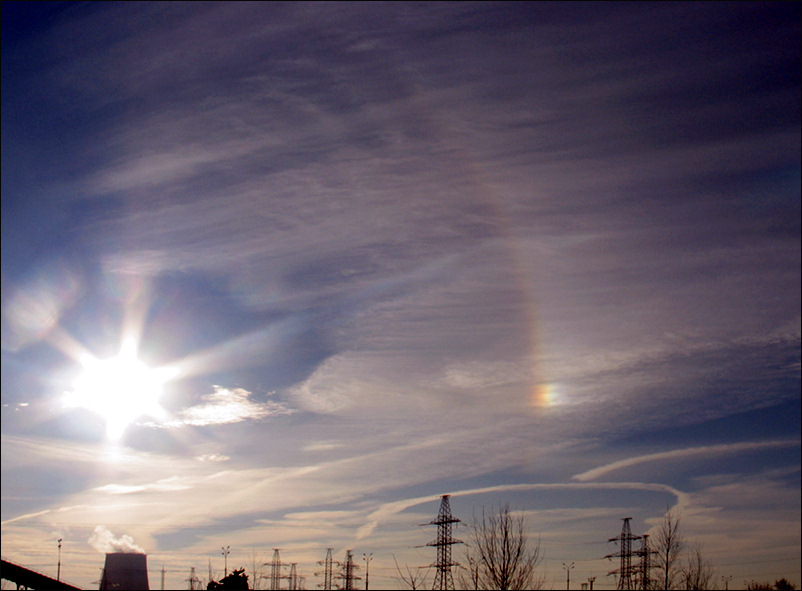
(227, 405)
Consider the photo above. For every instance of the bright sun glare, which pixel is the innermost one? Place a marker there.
(121, 389)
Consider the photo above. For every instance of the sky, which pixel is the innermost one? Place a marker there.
(280, 275)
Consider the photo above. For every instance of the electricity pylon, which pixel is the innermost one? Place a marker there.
(347, 574)
(645, 555)
(275, 571)
(328, 571)
(443, 579)
(625, 579)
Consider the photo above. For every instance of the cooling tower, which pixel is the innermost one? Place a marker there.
(125, 571)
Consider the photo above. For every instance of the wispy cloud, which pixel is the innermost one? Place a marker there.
(213, 458)
(227, 405)
(165, 485)
(710, 450)
(27, 516)
(389, 509)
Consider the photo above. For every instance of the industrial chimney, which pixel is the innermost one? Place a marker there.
(125, 571)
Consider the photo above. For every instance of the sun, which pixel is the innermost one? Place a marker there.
(122, 389)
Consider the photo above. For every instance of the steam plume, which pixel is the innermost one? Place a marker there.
(104, 541)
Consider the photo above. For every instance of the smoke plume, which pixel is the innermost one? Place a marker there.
(104, 541)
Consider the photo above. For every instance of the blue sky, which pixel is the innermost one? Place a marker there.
(544, 253)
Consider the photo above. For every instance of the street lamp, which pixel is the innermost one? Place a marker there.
(367, 558)
(225, 556)
(568, 568)
(58, 576)
(726, 582)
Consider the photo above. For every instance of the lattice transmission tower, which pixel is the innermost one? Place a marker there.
(275, 571)
(626, 578)
(293, 577)
(645, 552)
(347, 575)
(328, 571)
(193, 582)
(443, 579)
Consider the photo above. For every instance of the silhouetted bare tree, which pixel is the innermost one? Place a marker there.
(412, 579)
(255, 567)
(498, 555)
(669, 544)
(468, 577)
(697, 572)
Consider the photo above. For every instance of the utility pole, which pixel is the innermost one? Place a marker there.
(58, 575)
(726, 582)
(225, 556)
(568, 568)
(367, 558)
(162, 577)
